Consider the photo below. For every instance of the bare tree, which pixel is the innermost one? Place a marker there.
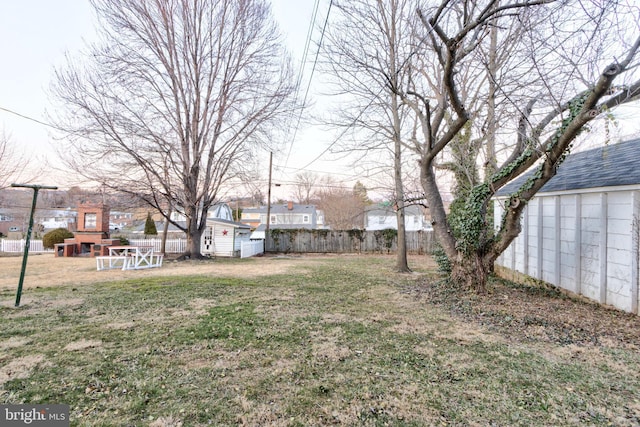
(368, 49)
(563, 84)
(12, 163)
(343, 208)
(175, 100)
(304, 189)
(487, 86)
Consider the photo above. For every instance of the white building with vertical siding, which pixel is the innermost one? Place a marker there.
(224, 238)
(581, 231)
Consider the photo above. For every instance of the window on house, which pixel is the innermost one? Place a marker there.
(415, 219)
(305, 219)
(381, 219)
(90, 220)
(273, 219)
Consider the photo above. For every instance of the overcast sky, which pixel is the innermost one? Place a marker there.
(35, 34)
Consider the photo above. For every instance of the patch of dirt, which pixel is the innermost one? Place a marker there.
(201, 305)
(82, 345)
(120, 325)
(166, 422)
(325, 345)
(535, 313)
(19, 368)
(14, 342)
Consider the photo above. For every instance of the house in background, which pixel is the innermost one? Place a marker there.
(219, 211)
(581, 232)
(50, 219)
(380, 217)
(119, 220)
(11, 225)
(282, 216)
(173, 232)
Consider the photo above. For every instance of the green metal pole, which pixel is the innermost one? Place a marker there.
(35, 188)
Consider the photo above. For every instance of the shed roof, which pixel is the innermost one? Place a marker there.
(233, 224)
(607, 166)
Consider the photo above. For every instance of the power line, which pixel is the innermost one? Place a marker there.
(320, 171)
(30, 118)
(303, 61)
(313, 69)
(347, 128)
(305, 52)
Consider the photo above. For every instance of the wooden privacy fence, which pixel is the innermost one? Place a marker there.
(348, 241)
(297, 241)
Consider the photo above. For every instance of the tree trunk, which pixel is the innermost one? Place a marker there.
(194, 234)
(401, 254)
(470, 272)
(492, 124)
(163, 244)
(193, 245)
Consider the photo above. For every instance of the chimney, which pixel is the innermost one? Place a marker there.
(290, 206)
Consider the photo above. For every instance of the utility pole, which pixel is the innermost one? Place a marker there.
(266, 231)
(35, 188)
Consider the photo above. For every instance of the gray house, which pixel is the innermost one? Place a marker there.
(581, 232)
(380, 217)
(283, 216)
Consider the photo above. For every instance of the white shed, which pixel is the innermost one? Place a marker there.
(581, 231)
(224, 238)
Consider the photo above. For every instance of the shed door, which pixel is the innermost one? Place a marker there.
(207, 240)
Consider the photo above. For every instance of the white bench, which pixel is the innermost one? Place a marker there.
(156, 259)
(111, 262)
(150, 260)
(128, 262)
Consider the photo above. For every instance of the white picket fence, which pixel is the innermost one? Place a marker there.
(173, 246)
(18, 246)
(249, 249)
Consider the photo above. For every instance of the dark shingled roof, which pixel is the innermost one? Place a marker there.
(607, 166)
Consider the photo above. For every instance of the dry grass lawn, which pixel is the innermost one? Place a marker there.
(45, 270)
(309, 340)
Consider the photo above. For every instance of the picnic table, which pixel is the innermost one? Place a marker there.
(129, 258)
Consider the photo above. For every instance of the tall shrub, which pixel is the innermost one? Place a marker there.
(150, 226)
(56, 236)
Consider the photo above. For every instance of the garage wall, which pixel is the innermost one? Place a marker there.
(585, 243)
